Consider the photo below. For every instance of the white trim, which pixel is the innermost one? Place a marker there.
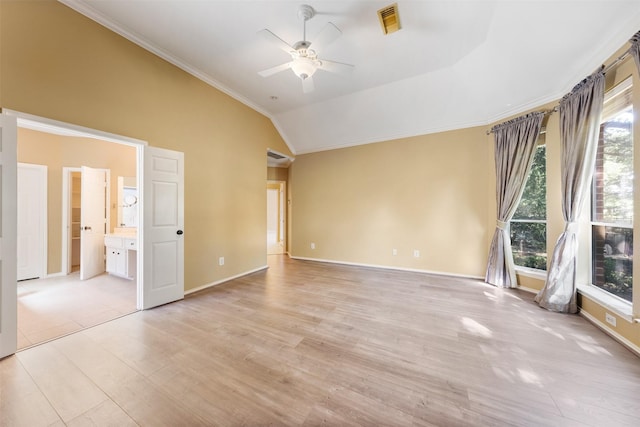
(227, 279)
(58, 274)
(393, 137)
(91, 13)
(43, 124)
(598, 56)
(613, 334)
(610, 302)
(531, 272)
(533, 221)
(388, 267)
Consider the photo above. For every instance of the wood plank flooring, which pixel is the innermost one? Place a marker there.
(310, 344)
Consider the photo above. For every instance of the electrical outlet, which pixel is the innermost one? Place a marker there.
(416, 253)
(313, 246)
(221, 260)
(610, 319)
(394, 252)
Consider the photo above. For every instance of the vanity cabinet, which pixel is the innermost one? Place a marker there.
(121, 255)
(116, 261)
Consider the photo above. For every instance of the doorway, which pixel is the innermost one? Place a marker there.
(73, 293)
(86, 219)
(160, 278)
(276, 191)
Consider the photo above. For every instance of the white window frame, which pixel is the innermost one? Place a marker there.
(613, 303)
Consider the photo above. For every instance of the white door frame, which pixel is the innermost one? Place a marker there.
(43, 250)
(43, 124)
(8, 243)
(282, 212)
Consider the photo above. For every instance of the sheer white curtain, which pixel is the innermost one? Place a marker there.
(580, 115)
(515, 146)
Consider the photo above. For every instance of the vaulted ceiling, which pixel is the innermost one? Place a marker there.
(453, 64)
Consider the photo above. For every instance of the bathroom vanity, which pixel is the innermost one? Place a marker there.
(122, 255)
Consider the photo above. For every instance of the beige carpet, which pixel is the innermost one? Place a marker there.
(54, 307)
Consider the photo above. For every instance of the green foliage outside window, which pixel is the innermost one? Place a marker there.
(529, 238)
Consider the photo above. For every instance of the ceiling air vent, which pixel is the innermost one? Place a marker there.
(275, 155)
(277, 160)
(389, 19)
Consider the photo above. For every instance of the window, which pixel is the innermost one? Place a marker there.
(529, 223)
(612, 196)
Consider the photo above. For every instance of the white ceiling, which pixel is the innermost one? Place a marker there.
(454, 64)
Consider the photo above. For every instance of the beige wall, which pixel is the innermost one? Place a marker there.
(56, 152)
(427, 193)
(56, 63)
(277, 174)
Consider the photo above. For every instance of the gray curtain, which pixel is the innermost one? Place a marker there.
(580, 116)
(635, 48)
(515, 146)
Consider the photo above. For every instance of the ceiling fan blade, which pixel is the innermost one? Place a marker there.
(335, 67)
(276, 41)
(307, 85)
(328, 34)
(273, 70)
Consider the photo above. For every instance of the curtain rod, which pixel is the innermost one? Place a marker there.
(616, 62)
(546, 113)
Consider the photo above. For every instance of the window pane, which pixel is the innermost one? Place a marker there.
(529, 244)
(533, 204)
(613, 259)
(612, 196)
(613, 177)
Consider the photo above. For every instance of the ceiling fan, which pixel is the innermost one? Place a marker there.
(304, 61)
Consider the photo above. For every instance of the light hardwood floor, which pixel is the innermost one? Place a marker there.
(316, 344)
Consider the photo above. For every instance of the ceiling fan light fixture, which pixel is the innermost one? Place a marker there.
(303, 67)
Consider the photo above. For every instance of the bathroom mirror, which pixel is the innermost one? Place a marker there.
(127, 201)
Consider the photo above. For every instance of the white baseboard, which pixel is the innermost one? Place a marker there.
(388, 267)
(58, 274)
(226, 279)
(530, 290)
(613, 334)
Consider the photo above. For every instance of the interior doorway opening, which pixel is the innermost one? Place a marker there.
(160, 182)
(276, 215)
(62, 300)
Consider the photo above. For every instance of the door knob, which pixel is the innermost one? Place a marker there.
(179, 232)
(86, 228)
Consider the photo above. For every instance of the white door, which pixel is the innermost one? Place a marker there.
(93, 219)
(8, 225)
(162, 234)
(32, 221)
